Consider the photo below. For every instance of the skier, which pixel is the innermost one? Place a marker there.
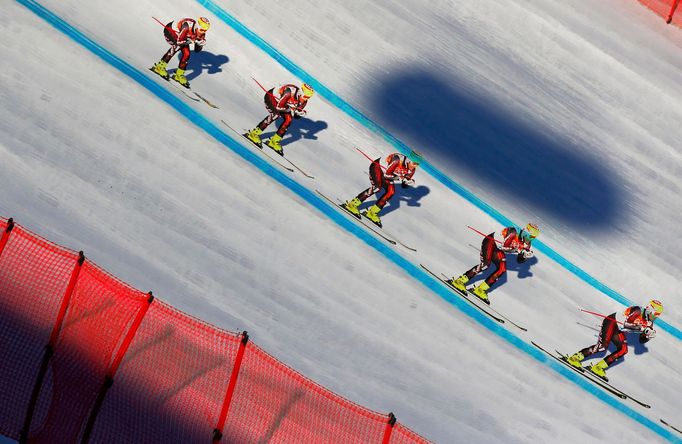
(634, 319)
(188, 31)
(493, 251)
(286, 101)
(399, 168)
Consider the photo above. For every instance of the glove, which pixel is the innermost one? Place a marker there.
(200, 41)
(406, 183)
(649, 332)
(298, 113)
(527, 254)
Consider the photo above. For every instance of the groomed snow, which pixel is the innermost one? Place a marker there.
(548, 111)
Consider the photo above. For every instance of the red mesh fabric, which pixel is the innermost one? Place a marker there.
(273, 403)
(662, 8)
(100, 313)
(33, 278)
(403, 435)
(171, 383)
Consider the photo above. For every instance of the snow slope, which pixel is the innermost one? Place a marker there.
(533, 107)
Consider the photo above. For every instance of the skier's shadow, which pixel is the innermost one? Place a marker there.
(205, 61)
(303, 128)
(409, 195)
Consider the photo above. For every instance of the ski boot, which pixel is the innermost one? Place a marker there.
(599, 369)
(460, 283)
(372, 213)
(575, 360)
(273, 143)
(254, 136)
(160, 69)
(482, 292)
(179, 77)
(352, 206)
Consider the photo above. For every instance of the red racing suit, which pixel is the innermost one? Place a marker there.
(180, 37)
(493, 251)
(398, 168)
(632, 320)
(287, 102)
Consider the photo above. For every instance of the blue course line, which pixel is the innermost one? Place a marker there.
(321, 205)
(344, 106)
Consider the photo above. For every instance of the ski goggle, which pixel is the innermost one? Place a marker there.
(654, 309)
(532, 230)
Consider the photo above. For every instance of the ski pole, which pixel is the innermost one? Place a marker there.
(600, 315)
(483, 234)
(266, 91)
(369, 158)
(160, 23)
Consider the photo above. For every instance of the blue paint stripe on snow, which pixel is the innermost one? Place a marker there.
(341, 104)
(313, 199)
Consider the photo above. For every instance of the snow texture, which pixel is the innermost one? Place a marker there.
(553, 112)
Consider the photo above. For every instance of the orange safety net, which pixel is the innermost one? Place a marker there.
(666, 9)
(66, 324)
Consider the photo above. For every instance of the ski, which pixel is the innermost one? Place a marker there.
(387, 233)
(205, 100)
(488, 307)
(671, 426)
(596, 378)
(355, 218)
(260, 149)
(176, 86)
(581, 371)
(464, 296)
(592, 377)
(298, 168)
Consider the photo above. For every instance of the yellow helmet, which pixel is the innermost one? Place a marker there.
(203, 23)
(307, 90)
(533, 230)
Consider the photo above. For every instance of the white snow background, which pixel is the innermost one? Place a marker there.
(562, 113)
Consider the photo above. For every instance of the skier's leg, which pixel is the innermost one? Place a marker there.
(621, 343)
(375, 178)
(274, 141)
(160, 66)
(608, 328)
(485, 257)
(254, 134)
(500, 262)
(487, 248)
(389, 191)
(179, 75)
(172, 38)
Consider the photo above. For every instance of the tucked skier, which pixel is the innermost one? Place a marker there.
(634, 319)
(185, 32)
(287, 102)
(399, 168)
(494, 251)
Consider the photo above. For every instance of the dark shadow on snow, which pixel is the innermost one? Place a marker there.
(205, 61)
(411, 196)
(511, 157)
(303, 128)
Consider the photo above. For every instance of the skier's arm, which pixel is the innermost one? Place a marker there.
(634, 322)
(183, 36)
(283, 103)
(390, 170)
